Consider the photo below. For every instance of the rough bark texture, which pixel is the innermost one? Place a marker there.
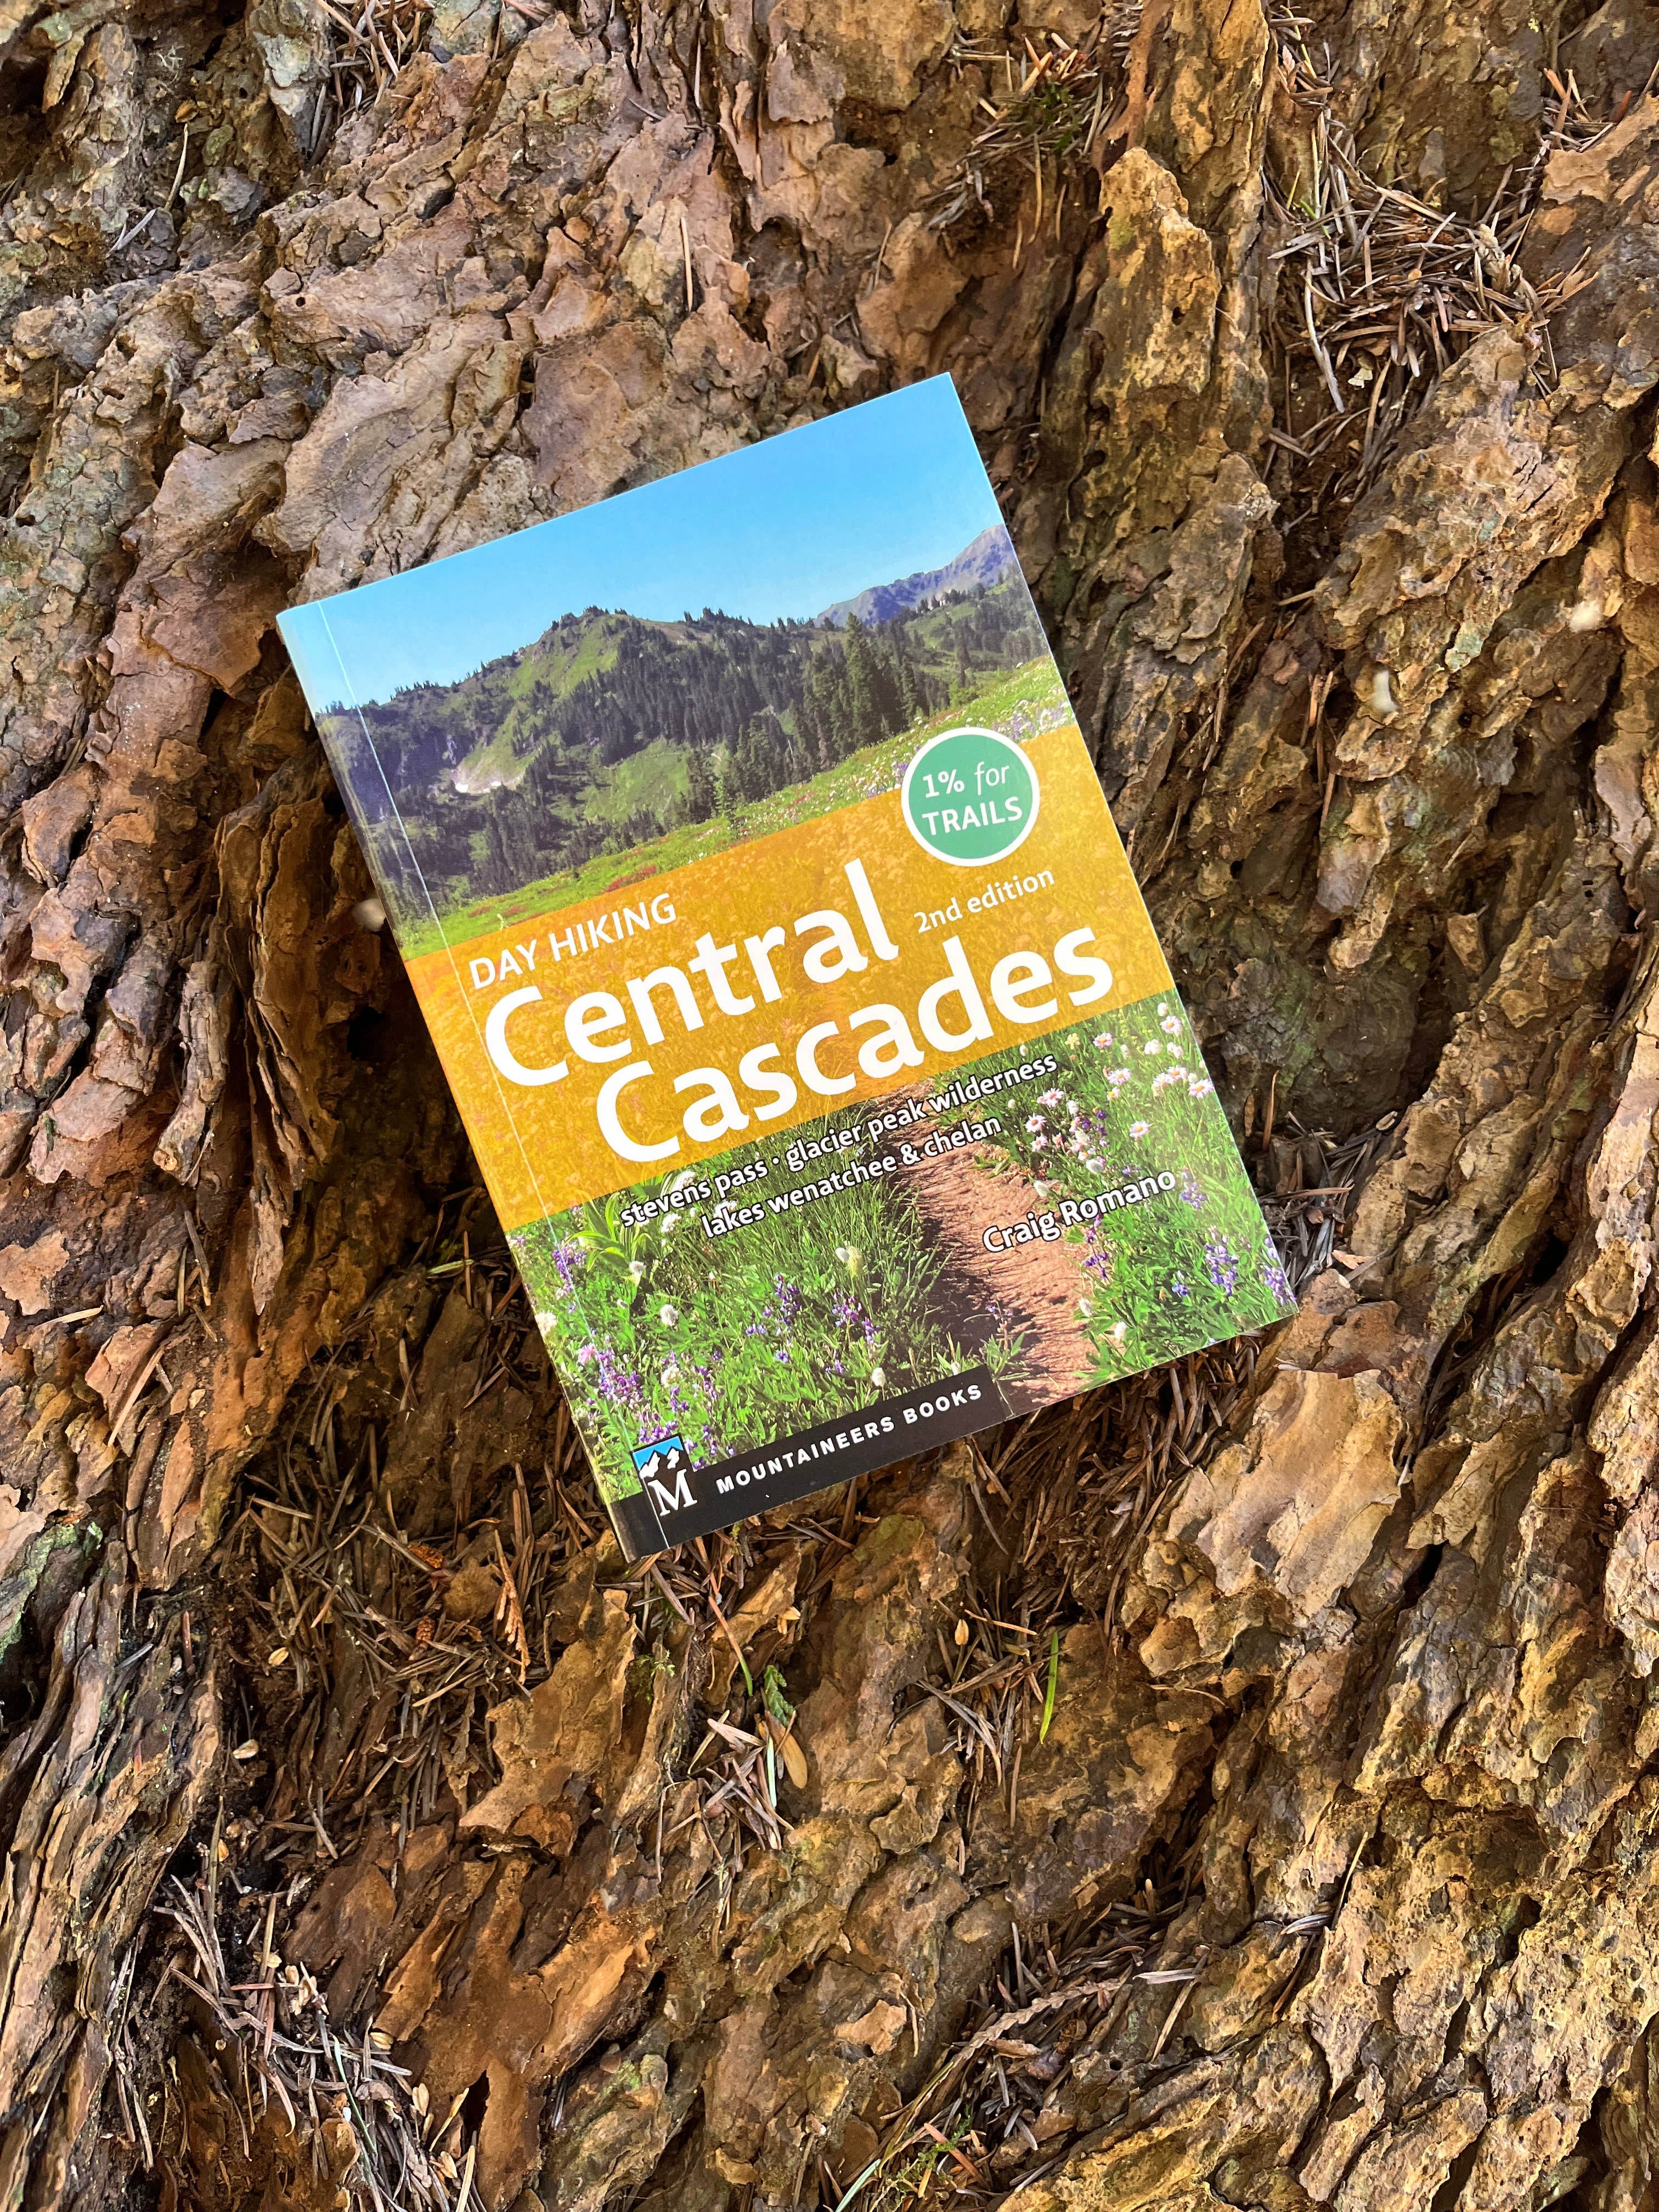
(1233, 1791)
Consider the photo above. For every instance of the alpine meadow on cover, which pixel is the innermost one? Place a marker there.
(810, 1033)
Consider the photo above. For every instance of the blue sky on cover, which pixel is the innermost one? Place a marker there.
(784, 527)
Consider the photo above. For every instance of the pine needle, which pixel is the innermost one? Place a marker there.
(1052, 1689)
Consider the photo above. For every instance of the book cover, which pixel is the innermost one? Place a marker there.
(811, 1032)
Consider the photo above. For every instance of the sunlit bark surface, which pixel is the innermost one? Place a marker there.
(1232, 1789)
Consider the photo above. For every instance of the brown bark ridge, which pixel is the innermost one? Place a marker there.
(1232, 1789)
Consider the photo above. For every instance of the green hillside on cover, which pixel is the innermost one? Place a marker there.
(610, 731)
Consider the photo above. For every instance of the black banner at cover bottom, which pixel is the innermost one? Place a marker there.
(677, 1501)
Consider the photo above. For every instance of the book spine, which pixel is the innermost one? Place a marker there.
(637, 1528)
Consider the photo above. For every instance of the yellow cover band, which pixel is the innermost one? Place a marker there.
(742, 994)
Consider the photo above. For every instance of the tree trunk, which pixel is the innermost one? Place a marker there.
(1229, 1789)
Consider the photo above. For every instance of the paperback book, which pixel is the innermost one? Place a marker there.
(814, 1042)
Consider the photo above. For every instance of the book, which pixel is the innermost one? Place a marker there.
(812, 1037)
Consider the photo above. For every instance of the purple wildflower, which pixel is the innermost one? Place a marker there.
(620, 1384)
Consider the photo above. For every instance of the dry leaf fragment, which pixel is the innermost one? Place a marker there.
(795, 1759)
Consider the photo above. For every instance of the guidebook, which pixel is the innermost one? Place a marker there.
(816, 1047)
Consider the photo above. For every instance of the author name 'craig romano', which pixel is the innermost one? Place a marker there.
(1051, 1226)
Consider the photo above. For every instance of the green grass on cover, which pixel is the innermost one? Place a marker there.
(1192, 1267)
(651, 778)
(803, 1316)
(812, 1314)
(593, 651)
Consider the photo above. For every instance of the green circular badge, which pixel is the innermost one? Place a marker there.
(969, 796)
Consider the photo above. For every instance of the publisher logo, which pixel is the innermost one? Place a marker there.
(662, 1466)
(970, 797)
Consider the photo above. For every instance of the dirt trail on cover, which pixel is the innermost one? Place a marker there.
(1036, 1285)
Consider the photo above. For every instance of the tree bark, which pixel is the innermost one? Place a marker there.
(1230, 1789)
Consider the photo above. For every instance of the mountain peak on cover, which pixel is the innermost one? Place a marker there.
(990, 556)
